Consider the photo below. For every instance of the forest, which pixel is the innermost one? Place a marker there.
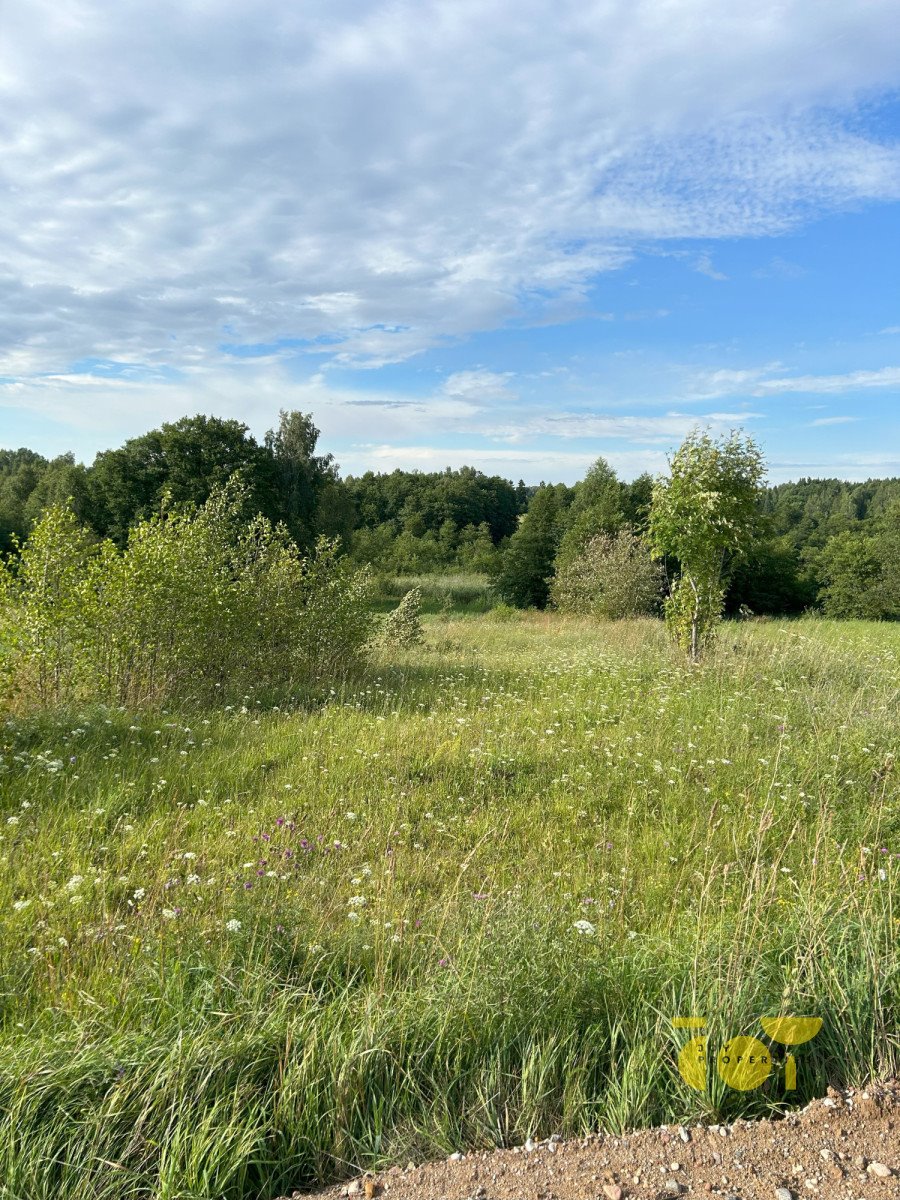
(824, 545)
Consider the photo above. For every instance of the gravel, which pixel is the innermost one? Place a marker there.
(845, 1146)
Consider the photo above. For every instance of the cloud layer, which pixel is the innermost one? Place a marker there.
(360, 181)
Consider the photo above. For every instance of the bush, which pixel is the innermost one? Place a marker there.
(613, 577)
(402, 626)
(199, 603)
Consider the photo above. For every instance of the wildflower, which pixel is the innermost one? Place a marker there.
(585, 928)
(192, 879)
(357, 901)
(233, 926)
(74, 882)
(139, 893)
(353, 915)
(882, 875)
(20, 904)
(170, 914)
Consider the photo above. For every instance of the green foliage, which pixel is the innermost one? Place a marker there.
(704, 516)
(526, 567)
(181, 463)
(614, 576)
(402, 627)
(416, 521)
(596, 508)
(199, 603)
(861, 572)
(308, 496)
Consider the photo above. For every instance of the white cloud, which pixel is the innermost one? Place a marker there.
(832, 421)
(850, 382)
(551, 465)
(704, 266)
(763, 381)
(663, 429)
(373, 178)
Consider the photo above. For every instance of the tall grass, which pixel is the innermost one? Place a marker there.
(458, 593)
(453, 905)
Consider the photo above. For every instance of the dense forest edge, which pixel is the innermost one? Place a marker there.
(823, 545)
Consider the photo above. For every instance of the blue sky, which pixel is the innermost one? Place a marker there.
(515, 235)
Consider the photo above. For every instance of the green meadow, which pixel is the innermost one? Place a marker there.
(452, 901)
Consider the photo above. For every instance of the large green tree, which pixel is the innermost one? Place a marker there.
(703, 518)
(526, 568)
(181, 463)
(596, 508)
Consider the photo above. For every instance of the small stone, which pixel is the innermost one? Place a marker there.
(859, 1162)
(826, 1154)
(355, 1188)
(879, 1170)
(683, 1134)
(672, 1187)
(456, 1156)
(783, 1193)
(612, 1191)
(529, 1145)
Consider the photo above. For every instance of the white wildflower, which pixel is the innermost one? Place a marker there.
(585, 928)
(233, 926)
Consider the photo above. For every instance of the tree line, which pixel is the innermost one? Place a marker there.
(822, 544)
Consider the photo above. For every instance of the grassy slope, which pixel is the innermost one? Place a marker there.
(258, 949)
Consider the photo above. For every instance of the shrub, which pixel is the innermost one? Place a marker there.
(402, 626)
(613, 577)
(199, 603)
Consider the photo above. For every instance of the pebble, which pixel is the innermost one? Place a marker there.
(672, 1187)
(612, 1191)
(529, 1145)
(683, 1134)
(456, 1156)
(880, 1170)
(355, 1188)
(783, 1193)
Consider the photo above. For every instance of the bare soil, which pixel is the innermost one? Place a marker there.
(845, 1146)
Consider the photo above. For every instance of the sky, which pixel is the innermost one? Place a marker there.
(512, 234)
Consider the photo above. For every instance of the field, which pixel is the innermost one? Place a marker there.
(454, 902)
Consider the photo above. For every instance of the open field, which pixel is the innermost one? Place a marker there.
(451, 904)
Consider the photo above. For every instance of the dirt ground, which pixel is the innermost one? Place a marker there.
(843, 1147)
